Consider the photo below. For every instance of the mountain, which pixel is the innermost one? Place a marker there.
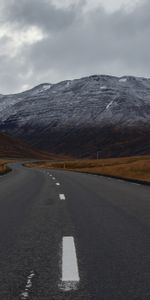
(82, 116)
(14, 148)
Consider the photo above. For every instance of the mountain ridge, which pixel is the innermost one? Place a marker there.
(82, 116)
(121, 78)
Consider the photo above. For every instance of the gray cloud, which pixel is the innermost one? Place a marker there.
(76, 42)
(41, 13)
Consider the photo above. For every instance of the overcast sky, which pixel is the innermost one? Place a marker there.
(53, 40)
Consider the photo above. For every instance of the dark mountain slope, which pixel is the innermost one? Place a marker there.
(14, 148)
(80, 117)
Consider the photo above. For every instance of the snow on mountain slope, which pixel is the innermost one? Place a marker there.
(81, 116)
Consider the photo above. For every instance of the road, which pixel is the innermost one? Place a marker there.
(72, 236)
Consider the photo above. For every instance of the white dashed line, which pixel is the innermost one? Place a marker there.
(70, 273)
(53, 178)
(58, 183)
(135, 183)
(62, 197)
(25, 293)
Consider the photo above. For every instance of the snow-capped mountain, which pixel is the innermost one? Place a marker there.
(82, 116)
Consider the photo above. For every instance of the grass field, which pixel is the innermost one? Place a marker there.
(135, 168)
(3, 167)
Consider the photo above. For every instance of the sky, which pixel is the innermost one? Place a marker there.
(47, 41)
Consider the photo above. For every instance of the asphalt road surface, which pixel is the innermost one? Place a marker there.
(71, 236)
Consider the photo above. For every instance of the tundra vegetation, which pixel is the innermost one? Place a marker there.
(134, 168)
(3, 167)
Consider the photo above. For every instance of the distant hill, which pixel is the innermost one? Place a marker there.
(14, 148)
(80, 117)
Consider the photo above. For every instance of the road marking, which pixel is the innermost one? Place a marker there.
(70, 273)
(53, 178)
(25, 294)
(62, 197)
(121, 180)
(57, 183)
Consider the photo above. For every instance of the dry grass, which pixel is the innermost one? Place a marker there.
(136, 168)
(3, 167)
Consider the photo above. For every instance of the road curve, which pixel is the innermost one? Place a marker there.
(65, 235)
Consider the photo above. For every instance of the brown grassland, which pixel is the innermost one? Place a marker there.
(134, 168)
(3, 167)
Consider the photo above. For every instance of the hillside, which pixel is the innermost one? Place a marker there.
(83, 116)
(14, 148)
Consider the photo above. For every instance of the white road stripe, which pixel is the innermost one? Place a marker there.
(70, 273)
(25, 294)
(135, 183)
(57, 183)
(53, 178)
(121, 180)
(62, 197)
